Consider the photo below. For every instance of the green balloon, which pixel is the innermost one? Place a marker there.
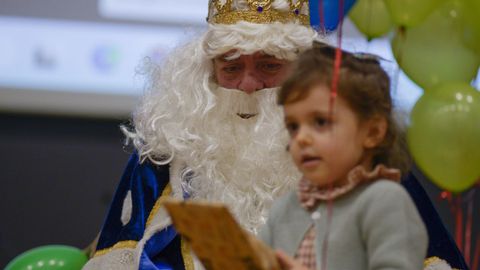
(471, 27)
(371, 17)
(444, 136)
(409, 13)
(51, 257)
(433, 52)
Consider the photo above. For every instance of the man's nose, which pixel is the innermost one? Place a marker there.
(250, 83)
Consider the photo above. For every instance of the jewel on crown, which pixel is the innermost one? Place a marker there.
(258, 11)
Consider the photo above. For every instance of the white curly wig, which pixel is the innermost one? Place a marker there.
(185, 118)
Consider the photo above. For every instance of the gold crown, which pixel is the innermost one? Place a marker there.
(258, 11)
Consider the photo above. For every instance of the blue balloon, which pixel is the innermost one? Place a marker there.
(331, 14)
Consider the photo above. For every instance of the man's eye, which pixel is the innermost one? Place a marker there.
(231, 69)
(271, 67)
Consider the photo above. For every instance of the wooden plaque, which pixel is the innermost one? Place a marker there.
(217, 239)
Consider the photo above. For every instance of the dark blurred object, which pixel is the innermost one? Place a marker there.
(57, 176)
(449, 207)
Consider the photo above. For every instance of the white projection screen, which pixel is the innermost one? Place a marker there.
(83, 57)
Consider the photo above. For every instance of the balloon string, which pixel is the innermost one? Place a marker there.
(322, 18)
(459, 223)
(468, 226)
(335, 79)
(333, 96)
(338, 59)
(476, 254)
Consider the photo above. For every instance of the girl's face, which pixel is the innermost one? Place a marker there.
(326, 147)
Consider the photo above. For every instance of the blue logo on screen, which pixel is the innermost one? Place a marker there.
(106, 58)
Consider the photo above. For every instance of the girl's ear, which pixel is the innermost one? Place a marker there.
(376, 130)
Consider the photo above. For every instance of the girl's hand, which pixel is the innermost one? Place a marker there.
(288, 263)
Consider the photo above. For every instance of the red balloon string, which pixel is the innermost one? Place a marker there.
(476, 254)
(333, 96)
(338, 60)
(321, 15)
(334, 87)
(468, 229)
(459, 223)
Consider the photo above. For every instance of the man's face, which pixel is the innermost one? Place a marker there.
(250, 73)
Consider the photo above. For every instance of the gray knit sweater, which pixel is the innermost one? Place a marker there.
(375, 226)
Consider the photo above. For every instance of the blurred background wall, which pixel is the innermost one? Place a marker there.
(58, 175)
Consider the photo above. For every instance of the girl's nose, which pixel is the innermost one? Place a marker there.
(303, 137)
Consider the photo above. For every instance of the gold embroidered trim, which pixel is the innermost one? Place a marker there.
(186, 254)
(166, 192)
(267, 17)
(121, 244)
(432, 260)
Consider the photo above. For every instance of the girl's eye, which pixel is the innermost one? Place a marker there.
(291, 128)
(321, 121)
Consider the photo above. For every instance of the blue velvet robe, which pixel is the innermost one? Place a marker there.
(147, 181)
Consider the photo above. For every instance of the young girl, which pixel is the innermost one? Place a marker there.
(349, 212)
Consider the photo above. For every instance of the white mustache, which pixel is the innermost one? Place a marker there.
(243, 104)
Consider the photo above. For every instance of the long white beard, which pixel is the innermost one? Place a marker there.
(244, 163)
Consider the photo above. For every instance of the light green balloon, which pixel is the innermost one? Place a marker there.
(433, 52)
(409, 13)
(371, 17)
(471, 27)
(444, 136)
(53, 257)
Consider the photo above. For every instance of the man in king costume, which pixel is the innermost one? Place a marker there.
(209, 128)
